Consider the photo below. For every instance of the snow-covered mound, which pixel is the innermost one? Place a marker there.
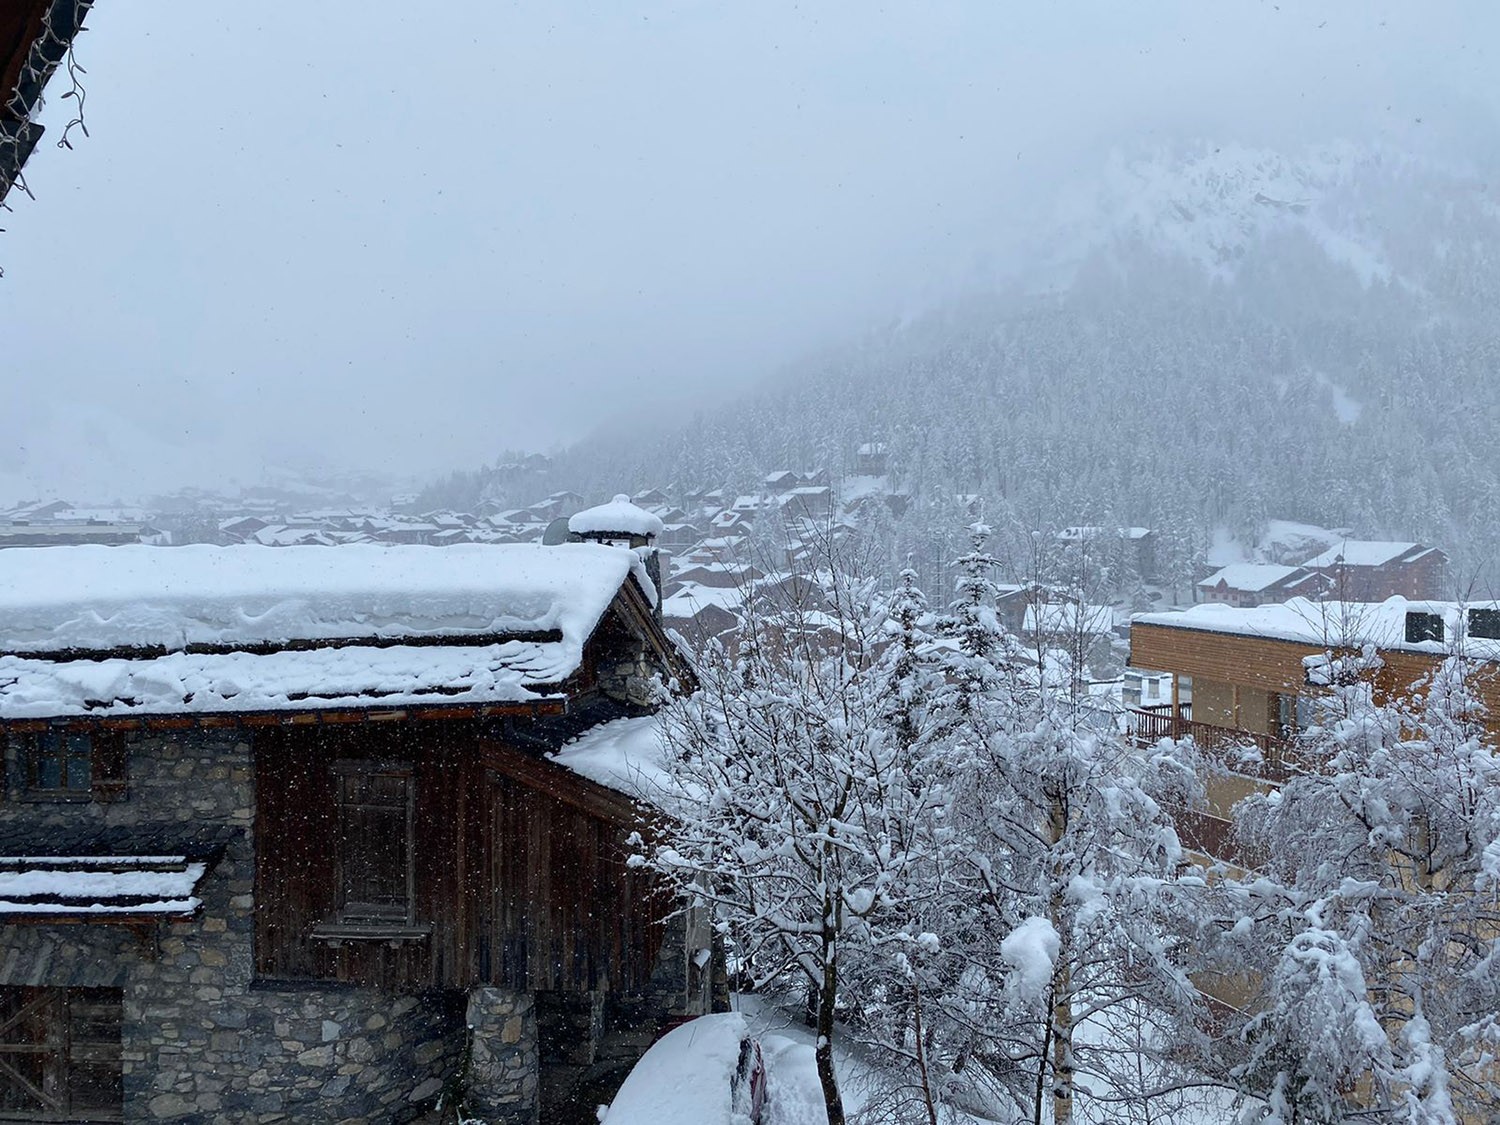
(619, 516)
(685, 1077)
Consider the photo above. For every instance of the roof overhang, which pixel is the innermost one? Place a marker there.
(34, 39)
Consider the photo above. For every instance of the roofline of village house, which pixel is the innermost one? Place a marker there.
(301, 717)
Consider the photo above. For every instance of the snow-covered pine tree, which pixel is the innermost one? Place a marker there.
(1071, 871)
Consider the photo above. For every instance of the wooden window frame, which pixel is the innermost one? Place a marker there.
(68, 1052)
(348, 919)
(106, 759)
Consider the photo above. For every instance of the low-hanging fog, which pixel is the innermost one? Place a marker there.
(388, 237)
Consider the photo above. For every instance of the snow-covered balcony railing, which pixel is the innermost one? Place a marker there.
(1268, 757)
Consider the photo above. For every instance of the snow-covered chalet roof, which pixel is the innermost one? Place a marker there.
(1333, 624)
(1249, 576)
(1360, 552)
(113, 631)
(619, 516)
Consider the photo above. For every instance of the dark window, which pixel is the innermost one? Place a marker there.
(60, 1054)
(1423, 627)
(375, 872)
(59, 762)
(73, 765)
(1484, 623)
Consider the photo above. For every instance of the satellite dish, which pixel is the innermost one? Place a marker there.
(557, 532)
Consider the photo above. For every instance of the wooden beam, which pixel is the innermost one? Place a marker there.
(300, 717)
(563, 784)
(270, 648)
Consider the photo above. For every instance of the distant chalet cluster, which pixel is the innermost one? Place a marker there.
(1355, 570)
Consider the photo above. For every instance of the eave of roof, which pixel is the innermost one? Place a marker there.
(34, 38)
(312, 716)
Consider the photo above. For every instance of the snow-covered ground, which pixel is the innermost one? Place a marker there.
(795, 1096)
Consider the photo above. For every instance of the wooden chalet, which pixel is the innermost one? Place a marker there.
(34, 39)
(305, 800)
(1245, 682)
(1366, 570)
(1245, 585)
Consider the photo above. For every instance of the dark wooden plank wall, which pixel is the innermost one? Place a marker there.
(568, 914)
(522, 879)
(296, 838)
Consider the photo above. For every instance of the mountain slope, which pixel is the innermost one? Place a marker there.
(1210, 338)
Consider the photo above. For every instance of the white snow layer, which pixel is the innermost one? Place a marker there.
(1031, 951)
(625, 755)
(1334, 624)
(93, 597)
(55, 886)
(619, 515)
(358, 676)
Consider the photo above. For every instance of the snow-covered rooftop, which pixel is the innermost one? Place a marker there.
(1333, 624)
(619, 516)
(54, 885)
(366, 625)
(1360, 552)
(56, 599)
(626, 755)
(1250, 576)
(1066, 618)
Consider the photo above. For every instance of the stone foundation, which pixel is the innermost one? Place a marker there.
(500, 1084)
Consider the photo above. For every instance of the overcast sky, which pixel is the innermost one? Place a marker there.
(367, 235)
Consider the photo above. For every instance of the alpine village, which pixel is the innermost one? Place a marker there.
(807, 764)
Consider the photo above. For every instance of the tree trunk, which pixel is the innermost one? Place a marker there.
(833, 1101)
(916, 994)
(1062, 990)
(1062, 1044)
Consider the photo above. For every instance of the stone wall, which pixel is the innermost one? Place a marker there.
(629, 676)
(202, 1041)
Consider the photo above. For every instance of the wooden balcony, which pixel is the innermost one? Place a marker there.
(1265, 757)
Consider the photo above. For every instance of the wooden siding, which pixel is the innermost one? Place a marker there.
(566, 912)
(1272, 665)
(520, 875)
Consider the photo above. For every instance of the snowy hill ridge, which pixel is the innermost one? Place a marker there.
(1216, 205)
(1218, 335)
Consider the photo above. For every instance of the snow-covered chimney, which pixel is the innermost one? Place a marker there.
(622, 524)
